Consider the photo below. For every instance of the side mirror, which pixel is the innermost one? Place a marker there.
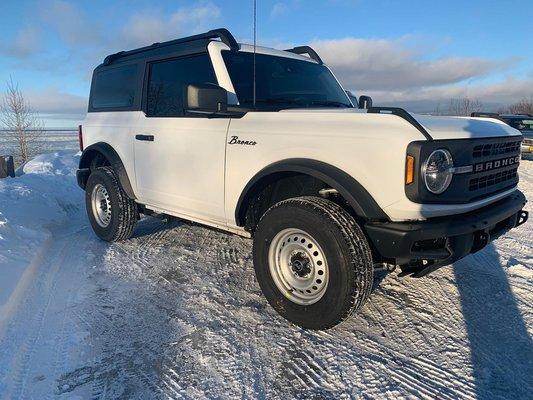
(206, 98)
(365, 102)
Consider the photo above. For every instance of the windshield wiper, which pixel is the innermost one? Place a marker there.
(272, 101)
(294, 102)
(329, 103)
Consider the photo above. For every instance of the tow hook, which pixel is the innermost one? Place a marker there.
(481, 239)
(522, 217)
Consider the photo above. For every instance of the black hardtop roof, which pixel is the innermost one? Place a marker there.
(200, 40)
(191, 44)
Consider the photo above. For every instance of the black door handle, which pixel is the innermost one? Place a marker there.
(146, 138)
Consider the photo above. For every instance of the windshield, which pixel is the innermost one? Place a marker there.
(522, 124)
(283, 82)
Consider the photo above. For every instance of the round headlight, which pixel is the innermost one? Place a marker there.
(438, 171)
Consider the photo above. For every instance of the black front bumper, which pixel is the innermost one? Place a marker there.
(423, 246)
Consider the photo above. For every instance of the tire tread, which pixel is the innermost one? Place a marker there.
(361, 256)
(127, 216)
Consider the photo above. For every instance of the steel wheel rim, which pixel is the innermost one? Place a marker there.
(101, 205)
(298, 266)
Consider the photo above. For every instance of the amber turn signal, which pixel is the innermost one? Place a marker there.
(409, 170)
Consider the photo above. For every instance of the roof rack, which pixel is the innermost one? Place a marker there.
(306, 50)
(223, 34)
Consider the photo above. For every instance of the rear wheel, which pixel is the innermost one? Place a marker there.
(111, 212)
(312, 261)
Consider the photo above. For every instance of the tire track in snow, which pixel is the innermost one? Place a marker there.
(304, 368)
(45, 283)
(179, 315)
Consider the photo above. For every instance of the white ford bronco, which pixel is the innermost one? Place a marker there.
(266, 144)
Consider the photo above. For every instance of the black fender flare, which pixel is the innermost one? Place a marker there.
(106, 150)
(352, 191)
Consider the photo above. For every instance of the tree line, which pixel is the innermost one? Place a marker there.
(465, 106)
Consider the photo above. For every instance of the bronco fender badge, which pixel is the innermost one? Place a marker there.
(236, 140)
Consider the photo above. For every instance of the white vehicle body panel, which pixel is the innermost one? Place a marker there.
(464, 127)
(352, 142)
(369, 147)
(191, 171)
(115, 129)
(182, 170)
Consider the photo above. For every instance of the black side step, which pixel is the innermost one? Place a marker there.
(400, 112)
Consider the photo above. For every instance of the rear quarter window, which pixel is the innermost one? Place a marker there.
(114, 88)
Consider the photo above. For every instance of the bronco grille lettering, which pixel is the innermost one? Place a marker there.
(490, 165)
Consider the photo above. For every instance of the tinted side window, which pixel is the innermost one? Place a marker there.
(114, 88)
(168, 80)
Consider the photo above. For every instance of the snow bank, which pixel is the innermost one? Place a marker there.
(43, 195)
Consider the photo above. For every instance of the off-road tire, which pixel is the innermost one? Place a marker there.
(124, 213)
(346, 249)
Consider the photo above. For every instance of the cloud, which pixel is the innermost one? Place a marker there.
(23, 45)
(393, 71)
(391, 65)
(279, 9)
(72, 25)
(55, 101)
(284, 8)
(140, 28)
(147, 28)
(493, 96)
(394, 74)
(87, 42)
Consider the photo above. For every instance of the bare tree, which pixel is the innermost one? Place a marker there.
(524, 106)
(464, 106)
(19, 122)
(438, 110)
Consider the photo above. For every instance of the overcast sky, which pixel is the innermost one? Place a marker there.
(416, 54)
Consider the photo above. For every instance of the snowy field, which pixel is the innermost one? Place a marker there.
(48, 142)
(176, 312)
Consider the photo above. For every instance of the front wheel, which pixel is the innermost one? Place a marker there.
(312, 261)
(111, 212)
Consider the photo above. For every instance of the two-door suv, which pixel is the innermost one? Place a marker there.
(266, 144)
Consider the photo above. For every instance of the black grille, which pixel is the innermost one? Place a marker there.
(492, 179)
(492, 162)
(494, 149)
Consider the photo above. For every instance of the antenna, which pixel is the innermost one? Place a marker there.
(255, 44)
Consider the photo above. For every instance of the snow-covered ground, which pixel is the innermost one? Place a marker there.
(176, 312)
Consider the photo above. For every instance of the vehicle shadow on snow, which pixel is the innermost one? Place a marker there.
(501, 349)
(150, 226)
